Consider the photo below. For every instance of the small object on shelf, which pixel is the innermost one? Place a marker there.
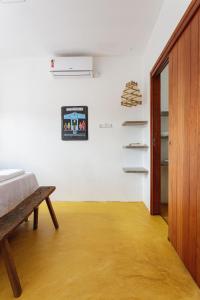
(164, 113)
(135, 170)
(131, 95)
(132, 123)
(164, 135)
(136, 145)
(164, 162)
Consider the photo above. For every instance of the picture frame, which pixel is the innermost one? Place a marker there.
(74, 123)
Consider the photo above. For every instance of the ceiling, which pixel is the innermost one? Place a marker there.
(76, 27)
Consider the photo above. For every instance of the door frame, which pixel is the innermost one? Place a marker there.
(155, 131)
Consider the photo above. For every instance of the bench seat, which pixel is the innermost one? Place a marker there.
(10, 221)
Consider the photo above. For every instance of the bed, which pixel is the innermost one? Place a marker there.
(15, 186)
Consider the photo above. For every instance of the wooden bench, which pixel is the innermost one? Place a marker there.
(10, 221)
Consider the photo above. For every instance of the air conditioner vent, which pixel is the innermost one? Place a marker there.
(72, 66)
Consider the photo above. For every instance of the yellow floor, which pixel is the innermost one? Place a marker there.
(103, 251)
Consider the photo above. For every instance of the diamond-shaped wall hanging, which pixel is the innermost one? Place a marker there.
(131, 95)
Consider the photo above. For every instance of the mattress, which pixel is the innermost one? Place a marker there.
(6, 174)
(15, 190)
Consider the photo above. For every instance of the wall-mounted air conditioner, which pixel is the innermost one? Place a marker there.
(72, 66)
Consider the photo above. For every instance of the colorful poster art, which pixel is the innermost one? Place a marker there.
(74, 123)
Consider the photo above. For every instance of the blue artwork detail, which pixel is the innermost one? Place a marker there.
(74, 116)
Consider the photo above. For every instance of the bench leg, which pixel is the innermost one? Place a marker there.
(11, 269)
(52, 213)
(35, 218)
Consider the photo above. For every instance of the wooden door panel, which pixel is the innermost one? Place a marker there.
(180, 146)
(184, 147)
(173, 154)
(193, 142)
(184, 88)
(198, 168)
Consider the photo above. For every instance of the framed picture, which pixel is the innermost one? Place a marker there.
(74, 123)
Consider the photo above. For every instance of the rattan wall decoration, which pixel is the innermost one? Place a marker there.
(131, 95)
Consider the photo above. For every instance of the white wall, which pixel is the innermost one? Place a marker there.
(30, 129)
(170, 15)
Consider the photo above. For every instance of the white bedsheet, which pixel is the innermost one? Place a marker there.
(15, 190)
(6, 174)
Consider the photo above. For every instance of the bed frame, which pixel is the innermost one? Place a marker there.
(10, 221)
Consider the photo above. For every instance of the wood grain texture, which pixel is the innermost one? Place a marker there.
(35, 218)
(14, 218)
(11, 269)
(183, 54)
(184, 88)
(173, 154)
(184, 145)
(158, 67)
(193, 142)
(155, 145)
(52, 213)
(198, 175)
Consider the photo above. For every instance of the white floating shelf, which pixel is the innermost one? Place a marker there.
(164, 135)
(164, 163)
(135, 170)
(164, 113)
(132, 123)
(136, 146)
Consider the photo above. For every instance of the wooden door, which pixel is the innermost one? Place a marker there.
(184, 147)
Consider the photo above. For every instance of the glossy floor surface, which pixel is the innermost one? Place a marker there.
(102, 251)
